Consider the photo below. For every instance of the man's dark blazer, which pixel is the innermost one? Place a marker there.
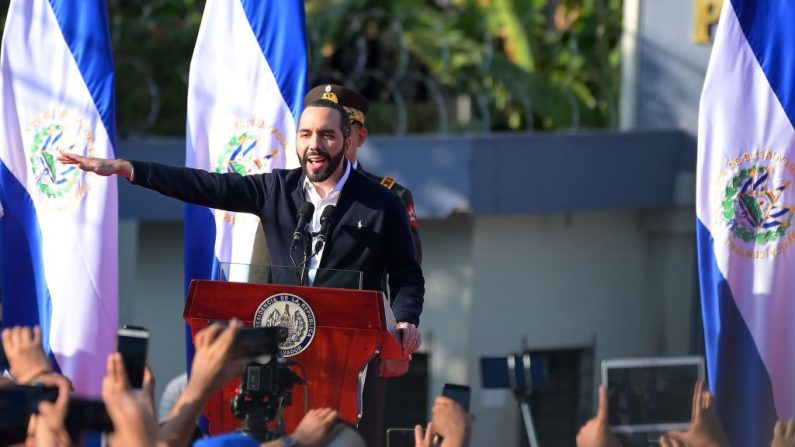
(371, 231)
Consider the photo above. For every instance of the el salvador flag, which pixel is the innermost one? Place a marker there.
(60, 226)
(246, 88)
(745, 206)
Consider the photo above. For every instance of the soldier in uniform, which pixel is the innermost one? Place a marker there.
(357, 107)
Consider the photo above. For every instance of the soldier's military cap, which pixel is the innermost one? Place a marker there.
(353, 102)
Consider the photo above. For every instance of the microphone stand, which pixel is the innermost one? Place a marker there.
(303, 279)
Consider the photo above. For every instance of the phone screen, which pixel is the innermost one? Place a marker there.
(650, 396)
(132, 345)
(400, 437)
(459, 393)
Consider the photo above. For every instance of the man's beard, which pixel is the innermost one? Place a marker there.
(331, 165)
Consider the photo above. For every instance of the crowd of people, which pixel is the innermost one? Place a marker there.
(133, 411)
(705, 429)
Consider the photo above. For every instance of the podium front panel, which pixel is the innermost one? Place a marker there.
(350, 329)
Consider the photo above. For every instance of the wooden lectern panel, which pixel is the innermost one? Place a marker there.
(350, 329)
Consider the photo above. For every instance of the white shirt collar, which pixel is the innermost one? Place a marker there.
(310, 189)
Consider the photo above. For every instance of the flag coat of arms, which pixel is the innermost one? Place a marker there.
(745, 205)
(59, 228)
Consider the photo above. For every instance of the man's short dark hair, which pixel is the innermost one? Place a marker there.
(345, 121)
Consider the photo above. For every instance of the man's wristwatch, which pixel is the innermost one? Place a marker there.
(288, 441)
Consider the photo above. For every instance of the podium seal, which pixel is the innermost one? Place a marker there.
(292, 312)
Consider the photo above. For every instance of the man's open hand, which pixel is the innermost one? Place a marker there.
(99, 166)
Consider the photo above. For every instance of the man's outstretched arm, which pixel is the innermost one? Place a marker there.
(227, 191)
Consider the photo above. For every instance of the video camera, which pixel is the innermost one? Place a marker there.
(267, 381)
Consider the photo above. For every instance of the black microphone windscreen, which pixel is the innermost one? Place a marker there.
(306, 209)
(327, 212)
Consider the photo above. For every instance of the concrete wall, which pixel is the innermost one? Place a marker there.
(570, 280)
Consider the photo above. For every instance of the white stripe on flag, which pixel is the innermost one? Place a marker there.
(233, 94)
(42, 87)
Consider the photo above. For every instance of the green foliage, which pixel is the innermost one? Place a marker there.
(547, 64)
(153, 42)
(515, 64)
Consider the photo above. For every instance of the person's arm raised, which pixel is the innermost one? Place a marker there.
(596, 432)
(213, 366)
(226, 191)
(26, 358)
(99, 166)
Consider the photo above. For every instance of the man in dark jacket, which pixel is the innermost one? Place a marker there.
(357, 107)
(371, 232)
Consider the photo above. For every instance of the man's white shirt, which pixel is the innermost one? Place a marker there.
(332, 197)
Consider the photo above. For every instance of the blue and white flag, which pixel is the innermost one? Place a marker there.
(60, 227)
(245, 93)
(745, 208)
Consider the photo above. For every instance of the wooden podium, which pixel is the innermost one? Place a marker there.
(349, 330)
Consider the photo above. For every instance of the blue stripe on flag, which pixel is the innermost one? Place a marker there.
(23, 273)
(767, 25)
(280, 28)
(737, 376)
(200, 261)
(84, 25)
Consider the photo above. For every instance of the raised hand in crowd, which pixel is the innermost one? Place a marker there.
(131, 412)
(450, 422)
(49, 427)
(148, 391)
(784, 434)
(213, 366)
(26, 358)
(705, 429)
(596, 432)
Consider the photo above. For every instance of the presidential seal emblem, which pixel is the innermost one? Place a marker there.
(58, 185)
(292, 312)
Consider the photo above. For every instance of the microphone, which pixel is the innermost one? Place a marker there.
(326, 221)
(305, 213)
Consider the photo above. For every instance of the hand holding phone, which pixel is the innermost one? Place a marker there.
(252, 342)
(458, 393)
(132, 345)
